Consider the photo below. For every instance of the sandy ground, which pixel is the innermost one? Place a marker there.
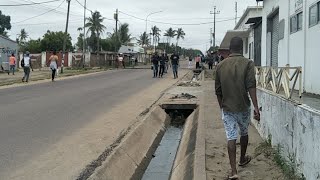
(217, 162)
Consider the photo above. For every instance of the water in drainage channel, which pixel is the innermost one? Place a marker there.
(161, 165)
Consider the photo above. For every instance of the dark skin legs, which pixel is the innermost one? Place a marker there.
(232, 149)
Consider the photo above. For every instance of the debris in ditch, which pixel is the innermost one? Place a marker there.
(189, 84)
(183, 96)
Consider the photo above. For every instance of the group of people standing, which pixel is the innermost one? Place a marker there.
(214, 59)
(26, 64)
(160, 64)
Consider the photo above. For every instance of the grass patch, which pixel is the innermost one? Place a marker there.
(287, 165)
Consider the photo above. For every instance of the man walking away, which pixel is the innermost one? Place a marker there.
(210, 60)
(162, 65)
(26, 64)
(235, 77)
(198, 59)
(175, 63)
(12, 63)
(167, 64)
(155, 62)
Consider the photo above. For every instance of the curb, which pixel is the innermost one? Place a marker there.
(131, 157)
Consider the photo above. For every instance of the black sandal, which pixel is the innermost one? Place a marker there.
(247, 161)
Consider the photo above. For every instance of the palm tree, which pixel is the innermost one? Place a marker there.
(155, 31)
(95, 26)
(144, 39)
(124, 35)
(180, 35)
(170, 33)
(23, 36)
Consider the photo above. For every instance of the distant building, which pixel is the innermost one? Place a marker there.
(249, 29)
(133, 52)
(7, 47)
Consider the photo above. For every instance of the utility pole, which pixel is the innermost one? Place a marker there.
(215, 12)
(116, 17)
(236, 8)
(211, 37)
(65, 37)
(84, 35)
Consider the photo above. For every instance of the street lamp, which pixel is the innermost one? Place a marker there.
(147, 18)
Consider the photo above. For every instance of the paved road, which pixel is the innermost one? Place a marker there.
(34, 117)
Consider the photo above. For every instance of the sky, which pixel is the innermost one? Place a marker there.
(37, 19)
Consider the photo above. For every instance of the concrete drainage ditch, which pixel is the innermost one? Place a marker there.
(162, 164)
(160, 147)
(163, 144)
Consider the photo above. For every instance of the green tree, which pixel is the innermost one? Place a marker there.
(124, 35)
(180, 35)
(170, 33)
(213, 49)
(33, 46)
(23, 36)
(79, 44)
(54, 41)
(4, 24)
(155, 35)
(95, 27)
(144, 40)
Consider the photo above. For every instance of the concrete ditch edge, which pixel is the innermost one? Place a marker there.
(131, 157)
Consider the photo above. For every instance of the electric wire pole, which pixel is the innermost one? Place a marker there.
(84, 35)
(215, 12)
(236, 8)
(65, 37)
(116, 17)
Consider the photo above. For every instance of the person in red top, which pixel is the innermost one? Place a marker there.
(12, 63)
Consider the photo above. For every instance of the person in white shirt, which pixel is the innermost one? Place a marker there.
(121, 61)
(26, 64)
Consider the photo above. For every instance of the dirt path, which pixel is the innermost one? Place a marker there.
(217, 162)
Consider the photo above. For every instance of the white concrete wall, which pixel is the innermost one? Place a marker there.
(296, 49)
(43, 59)
(312, 63)
(295, 127)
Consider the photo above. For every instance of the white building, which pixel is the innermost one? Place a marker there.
(249, 29)
(291, 36)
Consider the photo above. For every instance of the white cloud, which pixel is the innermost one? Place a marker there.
(174, 11)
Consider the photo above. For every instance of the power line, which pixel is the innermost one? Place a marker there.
(55, 11)
(40, 14)
(178, 24)
(29, 4)
(84, 6)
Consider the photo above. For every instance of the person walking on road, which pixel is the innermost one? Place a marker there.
(167, 64)
(162, 65)
(53, 64)
(198, 59)
(121, 61)
(26, 64)
(190, 62)
(235, 77)
(12, 63)
(211, 59)
(175, 64)
(155, 62)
